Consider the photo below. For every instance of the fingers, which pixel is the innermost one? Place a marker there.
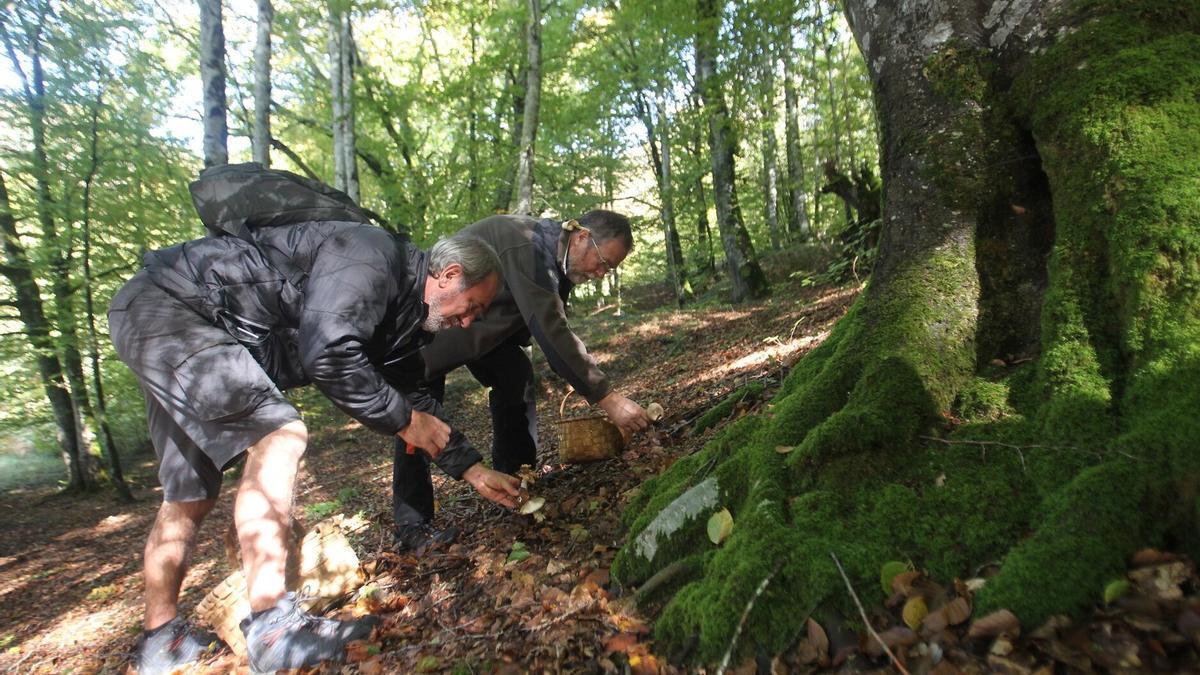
(510, 484)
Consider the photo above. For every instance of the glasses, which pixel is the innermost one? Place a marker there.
(604, 263)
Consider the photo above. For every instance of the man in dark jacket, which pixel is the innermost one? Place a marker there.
(214, 329)
(542, 261)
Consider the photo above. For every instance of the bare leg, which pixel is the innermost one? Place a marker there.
(167, 554)
(263, 511)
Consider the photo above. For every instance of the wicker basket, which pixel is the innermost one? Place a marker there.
(587, 439)
(328, 570)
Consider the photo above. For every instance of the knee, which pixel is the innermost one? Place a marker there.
(290, 439)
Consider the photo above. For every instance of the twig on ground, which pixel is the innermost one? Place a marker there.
(863, 613)
(745, 614)
(1020, 448)
(660, 579)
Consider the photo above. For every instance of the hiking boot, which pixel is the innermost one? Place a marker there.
(173, 645)
(423, 538)
(286, 636)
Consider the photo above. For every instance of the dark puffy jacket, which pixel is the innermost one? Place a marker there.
(335, 304)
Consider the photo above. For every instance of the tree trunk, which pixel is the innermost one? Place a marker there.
(108, 443)
(533, 96)
(517, 81)
(798, 208)
(341, 89)
(747, 277)
(56, 250)
(262, 84)
(37, 330)
(1037, 278)
(473, 186)
(212, 77)
(676, 271)
(770, 174)
(703, 232)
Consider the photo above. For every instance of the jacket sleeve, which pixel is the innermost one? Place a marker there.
(546, 317)
(459, 454)
(345, 298)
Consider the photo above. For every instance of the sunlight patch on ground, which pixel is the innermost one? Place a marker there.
(772, 353)
(110, 620)
(113, 523)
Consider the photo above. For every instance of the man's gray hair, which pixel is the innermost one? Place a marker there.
(477, 258)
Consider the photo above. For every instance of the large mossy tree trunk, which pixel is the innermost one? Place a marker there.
(1038, 277)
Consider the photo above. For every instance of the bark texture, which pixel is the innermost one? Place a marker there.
(212, 78)
(341, 84)
(1038, 277)
(533, 98)
(742, 264)
(798, 208)
(261, 142)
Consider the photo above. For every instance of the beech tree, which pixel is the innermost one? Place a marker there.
(740, 260)
(533, 98)
(212, 77)
(1023, 360)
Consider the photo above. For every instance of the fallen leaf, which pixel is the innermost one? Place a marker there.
(817, 638)
(889, 572)
(999, 622)
(905, 581)
(784, 449)
(899, 636)
(1161, 581)
(914, 612)
(1148, 557)
(1115, 589)
(621, 642)
(720, 524)
(956, 611)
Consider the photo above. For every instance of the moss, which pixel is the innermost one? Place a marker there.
(1091, 527)
(748, 392)
(983, 401)
(959, 72)
(1114, 112)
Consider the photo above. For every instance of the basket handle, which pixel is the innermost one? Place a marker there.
(562, 406)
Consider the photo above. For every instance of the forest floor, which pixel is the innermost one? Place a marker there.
(513, 594)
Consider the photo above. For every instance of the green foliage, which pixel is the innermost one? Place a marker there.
(747, 393)
(321, 510)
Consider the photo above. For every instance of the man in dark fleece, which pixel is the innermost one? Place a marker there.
(214, 329)
(542, 260)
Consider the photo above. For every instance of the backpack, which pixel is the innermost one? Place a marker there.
(234, 199)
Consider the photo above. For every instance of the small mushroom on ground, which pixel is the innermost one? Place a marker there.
(532, 505)
(655, 412)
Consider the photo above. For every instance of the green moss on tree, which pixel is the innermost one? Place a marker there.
(1091, 447)
(721, 411)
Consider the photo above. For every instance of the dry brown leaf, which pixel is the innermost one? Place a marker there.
(934, 622)
(621, 642)
(903, 582)
(1161, 581)
(999, 622)
(818, 639)
(894, 638)
(784, 449)
(361, 650)
(957, 611)
(372, 666)
(1148, 557)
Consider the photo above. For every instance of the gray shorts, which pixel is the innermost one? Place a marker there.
(207, 400)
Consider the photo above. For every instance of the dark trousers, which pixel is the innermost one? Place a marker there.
(509, 373)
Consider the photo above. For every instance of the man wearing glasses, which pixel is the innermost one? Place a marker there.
(542, 261)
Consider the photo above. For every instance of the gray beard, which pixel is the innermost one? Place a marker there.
(435, 319)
